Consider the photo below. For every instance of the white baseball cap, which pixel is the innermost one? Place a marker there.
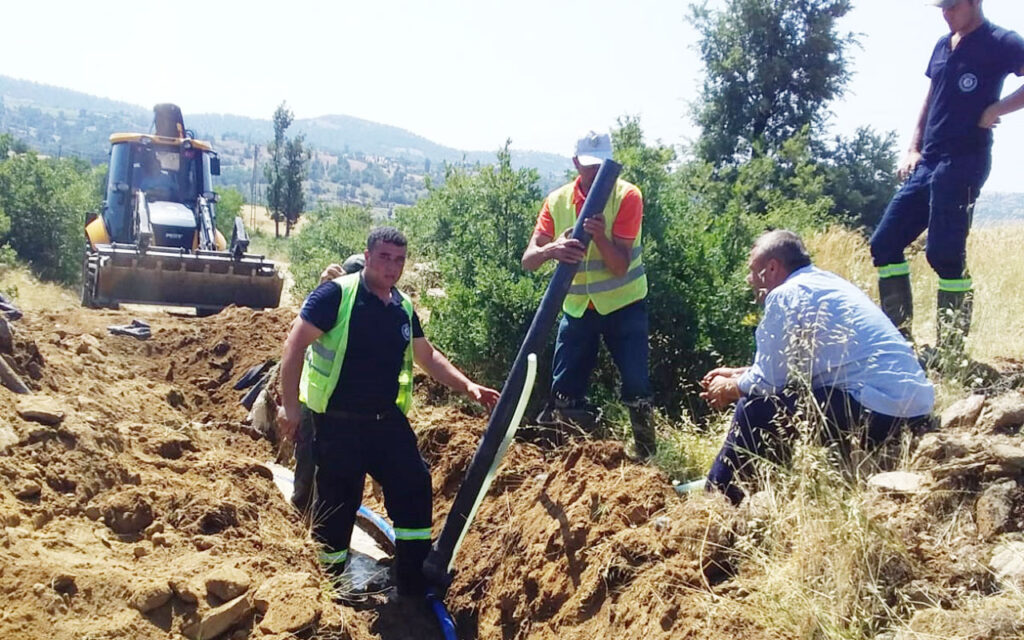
(593, 148)
(943, 4)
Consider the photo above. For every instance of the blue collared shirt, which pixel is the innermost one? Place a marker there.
(821, 329)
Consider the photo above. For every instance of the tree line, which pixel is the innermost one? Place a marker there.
(761, 161)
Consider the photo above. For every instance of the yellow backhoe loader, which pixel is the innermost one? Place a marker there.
(156, 242)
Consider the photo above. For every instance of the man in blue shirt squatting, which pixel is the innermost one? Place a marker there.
(349, 360)
(946, 165)
(818, 333)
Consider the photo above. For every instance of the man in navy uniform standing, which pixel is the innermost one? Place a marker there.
(349, 359)
(946, 166)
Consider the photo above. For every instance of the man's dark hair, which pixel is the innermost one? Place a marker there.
(389, 235)
(784, 246)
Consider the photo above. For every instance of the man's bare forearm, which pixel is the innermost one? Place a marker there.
(440, 368)
(616, 257)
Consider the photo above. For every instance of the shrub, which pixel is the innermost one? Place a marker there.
(331, 234)
(475, 227)
(46, 201)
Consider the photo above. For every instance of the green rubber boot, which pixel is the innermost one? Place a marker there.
(897, 302)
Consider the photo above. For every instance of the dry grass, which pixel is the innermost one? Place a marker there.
(993, 259)
(821, 555)
(30, 293)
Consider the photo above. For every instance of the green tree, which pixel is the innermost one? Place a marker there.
(275, 171)
(229, 206)
(861, 175)
(475, 227)
(772, 67)
(46, 201)
(294, 200)
(331, 234)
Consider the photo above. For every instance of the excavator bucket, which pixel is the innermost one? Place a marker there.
(207, 280)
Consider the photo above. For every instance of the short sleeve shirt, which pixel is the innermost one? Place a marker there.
(378, 334)
(627, 222)
(965, 81)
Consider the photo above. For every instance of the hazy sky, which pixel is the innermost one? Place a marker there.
(463, 73)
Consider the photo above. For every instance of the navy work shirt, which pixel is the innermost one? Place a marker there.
(378, 334)
(965, 81)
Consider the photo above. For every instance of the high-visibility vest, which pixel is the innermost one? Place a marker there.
(322, 365)
(594, 283)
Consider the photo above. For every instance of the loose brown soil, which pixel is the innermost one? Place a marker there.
(121, 520)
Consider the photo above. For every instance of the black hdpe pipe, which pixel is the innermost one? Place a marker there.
(438, 566)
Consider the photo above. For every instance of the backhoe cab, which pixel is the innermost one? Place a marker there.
(156, 241)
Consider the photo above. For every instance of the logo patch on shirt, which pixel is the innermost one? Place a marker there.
(406, 331)
(968, 82)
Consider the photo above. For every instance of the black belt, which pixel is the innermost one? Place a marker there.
(361, 416)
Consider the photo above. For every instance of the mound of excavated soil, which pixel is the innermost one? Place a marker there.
(133, 504)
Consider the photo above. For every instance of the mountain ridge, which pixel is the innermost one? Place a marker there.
(330, 132)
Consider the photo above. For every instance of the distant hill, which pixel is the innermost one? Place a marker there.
(337, 134)
(999, 208)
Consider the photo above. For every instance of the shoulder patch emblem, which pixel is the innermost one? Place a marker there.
(968, 82)
(407, 331)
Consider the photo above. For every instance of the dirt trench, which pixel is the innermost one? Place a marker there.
(133, 503)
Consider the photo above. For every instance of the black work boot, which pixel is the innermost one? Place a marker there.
(897, 302)
(641, 417)
(953, 323)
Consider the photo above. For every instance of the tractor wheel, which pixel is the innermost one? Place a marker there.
(89, 281)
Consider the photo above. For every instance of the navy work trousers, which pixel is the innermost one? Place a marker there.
(345, 451)
(625, 334)
(762, 429)
(939, 196)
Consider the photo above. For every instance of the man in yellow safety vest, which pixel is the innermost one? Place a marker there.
(606, 299)
(349, 359)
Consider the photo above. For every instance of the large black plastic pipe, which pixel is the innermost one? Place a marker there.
(437, 565)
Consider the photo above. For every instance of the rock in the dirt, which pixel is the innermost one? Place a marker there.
(219, 619)
(1008, 455)
(898, 481)
(938, 447)
(1007, 564)
(150, 595)
(127, 512)
(8, 436)
(963, 414)
(279, 586)
(41, 409)
(300, 611)
(994, 508)
(1003, 414)
(188, 591)
(174, 446)
(289, 602)
(227, 582)
(27, 490)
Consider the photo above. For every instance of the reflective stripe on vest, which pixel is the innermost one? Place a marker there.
(594, 283)
(322, 365)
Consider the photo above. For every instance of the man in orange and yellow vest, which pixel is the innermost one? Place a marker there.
(606, 299)
(349, 359)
